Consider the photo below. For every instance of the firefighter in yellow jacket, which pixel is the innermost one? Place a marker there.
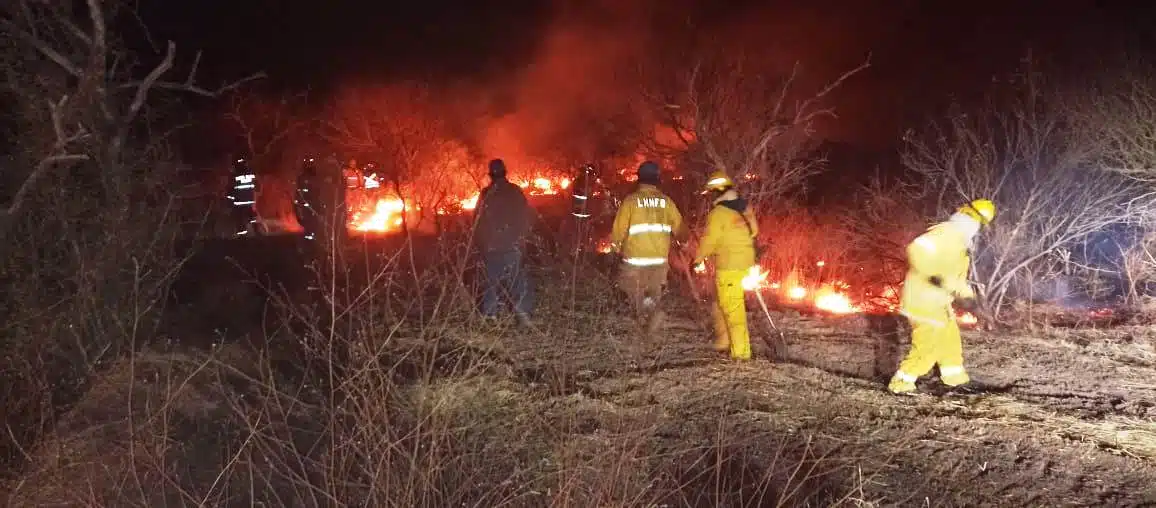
(938, 264)
(730, 235)
(643, 228)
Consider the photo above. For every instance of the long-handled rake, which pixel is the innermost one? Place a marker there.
(777, 344)
(778, 347)
(692, 285)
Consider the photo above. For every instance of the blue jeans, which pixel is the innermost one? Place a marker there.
(505, 276)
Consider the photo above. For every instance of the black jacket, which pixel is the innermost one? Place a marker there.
(503, 219)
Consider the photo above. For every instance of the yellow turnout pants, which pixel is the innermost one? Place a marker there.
(935, 341)
(730, 315)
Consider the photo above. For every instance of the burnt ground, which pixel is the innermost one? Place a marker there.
(1066, 418)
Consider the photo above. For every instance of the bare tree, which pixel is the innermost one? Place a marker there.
(1022, 149)
(401, 128)
(268, 123)
(71, 77)
(87, 214)
(747, 117)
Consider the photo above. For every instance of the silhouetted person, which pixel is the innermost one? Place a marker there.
(502, 224)
(306, 204)
(581, 193)
(243, 198)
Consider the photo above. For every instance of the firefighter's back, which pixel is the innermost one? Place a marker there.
(652, 219)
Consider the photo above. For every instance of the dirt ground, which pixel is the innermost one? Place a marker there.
(1066, 418)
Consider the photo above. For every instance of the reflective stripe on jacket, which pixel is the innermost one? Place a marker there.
(644, 225)
(244, 189)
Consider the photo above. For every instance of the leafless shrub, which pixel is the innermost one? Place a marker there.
(1138, 266)
(400, 128)
(1023, 150)
(89, 213)
(268, 124)
(1120, 108)
(888, 215)
(746, 116)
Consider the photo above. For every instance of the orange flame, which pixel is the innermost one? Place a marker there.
(373, 214)
(827, 298)
(542, 186)
(604, 246)
(967, 318)
(470, 203)
(386, 216)
(754, 278)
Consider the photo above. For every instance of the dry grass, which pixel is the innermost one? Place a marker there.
(1133, 437)
(409, 406)
(401, 413)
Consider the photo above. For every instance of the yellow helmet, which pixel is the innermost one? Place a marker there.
(982, 210)
(717, 181)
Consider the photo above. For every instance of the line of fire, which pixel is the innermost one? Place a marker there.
(378, 208)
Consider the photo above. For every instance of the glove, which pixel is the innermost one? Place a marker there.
(967, 305)
(936, 281)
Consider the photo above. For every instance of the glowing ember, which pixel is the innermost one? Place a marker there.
(700, 268)
(754, 278)
(386, 216)
(821, 264)
(797, 293)
(1100, 313)
(967, 318)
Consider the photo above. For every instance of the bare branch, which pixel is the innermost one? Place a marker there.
(741, 115)
(189, 87)
(17, 202)
(804, 108)
(42, 47)
(141, 94)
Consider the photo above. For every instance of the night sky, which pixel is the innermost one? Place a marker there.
(923, 52)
